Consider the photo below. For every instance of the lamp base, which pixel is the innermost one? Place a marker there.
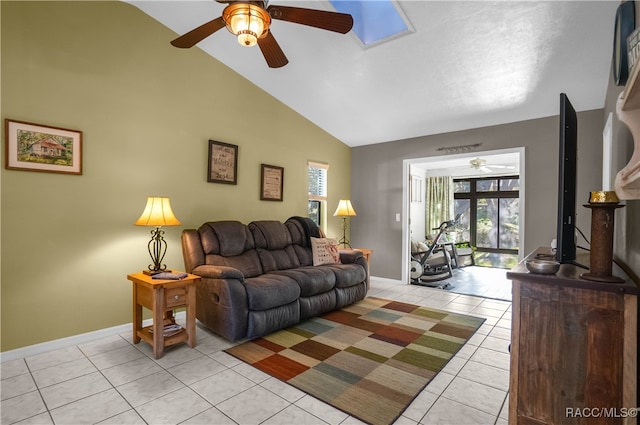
(345, 243)
(152, 272)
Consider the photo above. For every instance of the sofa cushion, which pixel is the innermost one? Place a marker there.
(271, 290)
(247, 263)
(325, 251)
(318, 304)
(347, 274)
(302, 229)
(270, 234)
(281, 259)
(266, 321)
(273, 244)
(226, 238)
(346, 296)
(312, 280)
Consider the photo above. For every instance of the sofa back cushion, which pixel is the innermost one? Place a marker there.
(274, 246)
(302, 229)
(230, 243)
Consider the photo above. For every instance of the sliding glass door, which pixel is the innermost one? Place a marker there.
(490, 219)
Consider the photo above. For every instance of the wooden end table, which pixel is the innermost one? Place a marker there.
(161, 297)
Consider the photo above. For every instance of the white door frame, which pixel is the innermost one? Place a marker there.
(406, 164)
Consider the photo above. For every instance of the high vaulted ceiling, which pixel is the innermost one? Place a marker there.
(467, 64)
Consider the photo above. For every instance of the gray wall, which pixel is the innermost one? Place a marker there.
(377, 181)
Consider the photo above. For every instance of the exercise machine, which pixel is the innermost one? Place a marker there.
(432, 266)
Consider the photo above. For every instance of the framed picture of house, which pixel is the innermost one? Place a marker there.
(223, 163)
(35, 147)
(271, 183)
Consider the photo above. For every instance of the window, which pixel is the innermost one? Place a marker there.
(375, 22)
(490, 217)
(317, 174)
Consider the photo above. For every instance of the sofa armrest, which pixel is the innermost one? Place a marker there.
(218, 272)
(350, 256)
(192, 252)
(222, 306)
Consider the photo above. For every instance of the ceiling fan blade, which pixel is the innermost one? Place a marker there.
(272, 52)
(196, 35)
(330, 21)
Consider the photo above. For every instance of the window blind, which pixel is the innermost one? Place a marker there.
(317, 174)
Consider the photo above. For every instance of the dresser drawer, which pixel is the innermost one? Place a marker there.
(175, 297)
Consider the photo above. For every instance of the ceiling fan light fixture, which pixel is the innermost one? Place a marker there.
(247, 21)
(477, 163)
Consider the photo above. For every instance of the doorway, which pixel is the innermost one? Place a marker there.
(494, 205)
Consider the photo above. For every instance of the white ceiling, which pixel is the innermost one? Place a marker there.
(468, 64)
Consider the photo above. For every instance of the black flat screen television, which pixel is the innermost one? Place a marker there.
(567, 159)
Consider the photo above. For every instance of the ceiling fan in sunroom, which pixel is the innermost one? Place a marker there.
(481, 165)
(250, 21)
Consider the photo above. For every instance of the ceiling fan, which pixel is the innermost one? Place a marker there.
(481, 165)
(250, 21)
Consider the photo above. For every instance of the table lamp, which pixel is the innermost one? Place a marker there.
(157, 213)
(344, 210)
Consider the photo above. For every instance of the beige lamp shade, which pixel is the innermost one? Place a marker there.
(157, 213)
(345, 209)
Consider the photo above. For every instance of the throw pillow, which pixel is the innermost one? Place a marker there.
(325, 251)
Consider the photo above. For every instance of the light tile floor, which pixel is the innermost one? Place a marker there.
(487, 282)
(112, 381)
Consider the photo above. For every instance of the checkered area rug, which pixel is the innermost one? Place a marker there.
(370, 359)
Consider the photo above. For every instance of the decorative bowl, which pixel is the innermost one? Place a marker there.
(542, 266)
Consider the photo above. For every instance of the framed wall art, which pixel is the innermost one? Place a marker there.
(271, 183)
(35, 147)
(223, 163)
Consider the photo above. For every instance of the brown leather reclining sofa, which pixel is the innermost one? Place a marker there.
(260, 277)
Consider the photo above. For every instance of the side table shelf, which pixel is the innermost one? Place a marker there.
(162, 297)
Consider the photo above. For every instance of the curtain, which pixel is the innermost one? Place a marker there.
(439, 201)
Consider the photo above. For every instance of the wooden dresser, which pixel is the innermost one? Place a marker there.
(573, 348)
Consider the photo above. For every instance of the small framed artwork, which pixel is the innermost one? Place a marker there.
(271, 183)
(35, 147)
(223, 163)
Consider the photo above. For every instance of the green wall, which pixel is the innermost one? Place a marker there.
(147, 111)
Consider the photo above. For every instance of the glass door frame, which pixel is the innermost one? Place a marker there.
(474, 195)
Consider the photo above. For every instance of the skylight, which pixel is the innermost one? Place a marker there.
(375, 21)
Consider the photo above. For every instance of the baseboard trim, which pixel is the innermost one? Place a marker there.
(70, 341)
(387, 280)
